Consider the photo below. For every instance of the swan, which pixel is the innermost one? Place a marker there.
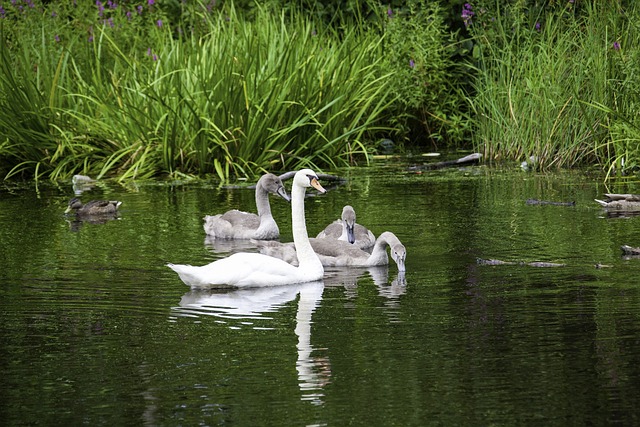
(245, 269)
(621, 202)
(347, 230)
(93, 208)
(236, 224)
(338, 253)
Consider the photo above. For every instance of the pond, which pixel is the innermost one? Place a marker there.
(96, 330)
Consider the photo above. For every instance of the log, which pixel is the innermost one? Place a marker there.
(471, 159)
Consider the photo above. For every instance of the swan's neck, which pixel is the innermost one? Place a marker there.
(262, 203)
(379, 253)
(305, 252)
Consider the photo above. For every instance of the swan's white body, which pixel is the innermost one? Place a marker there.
(337, 253)
(257, 270)
(236, 224)
(347, 230)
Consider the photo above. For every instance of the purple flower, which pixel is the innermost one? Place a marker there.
(148, 51)
(139, 8)
(2, 12)
(467, 14)
(151, 2)
(537, 26)
(616, 45)
(159, 23)
(389, 12)
(128, 15)
(57, 38)
(412, 63)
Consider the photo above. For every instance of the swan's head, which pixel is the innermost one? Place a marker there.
(398, 254)
(349, 223)
(307, 178)
(274, 185)
(74, 204)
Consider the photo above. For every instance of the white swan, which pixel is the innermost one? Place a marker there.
(245, 269)
(236, 224)
(337, 253)
(347, 230)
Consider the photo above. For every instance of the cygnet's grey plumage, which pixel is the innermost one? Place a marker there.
(346, 229)
(338, 253)
(236, 224)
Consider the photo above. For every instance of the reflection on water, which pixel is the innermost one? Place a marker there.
(349, 278)
(75, 223)
(84, 325)
(245, 306)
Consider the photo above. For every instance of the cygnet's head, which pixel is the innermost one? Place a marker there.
(398, 254)
(349, 222)
(274, 185)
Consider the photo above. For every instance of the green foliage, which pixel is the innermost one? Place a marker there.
(556, 84)
(419, 50)
(217, 95)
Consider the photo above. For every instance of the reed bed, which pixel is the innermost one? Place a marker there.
(557, 87)
(217, 95)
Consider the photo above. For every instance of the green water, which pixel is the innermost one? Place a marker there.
(96, 330)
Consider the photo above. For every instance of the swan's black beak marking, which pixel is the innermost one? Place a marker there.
(313, 180)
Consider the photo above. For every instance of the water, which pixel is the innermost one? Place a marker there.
(97, 331)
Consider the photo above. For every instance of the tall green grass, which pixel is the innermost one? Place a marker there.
(552, 84)
(228, 97)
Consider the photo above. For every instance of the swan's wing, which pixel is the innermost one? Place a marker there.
(241, 219)
(283, 251)
(240, 269)
(338, 252)
(364, 237)
(231, 224)
(333, 230)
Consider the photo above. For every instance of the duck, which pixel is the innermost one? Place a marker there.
(338, 253)
(250, 269)
(620, 202)
(93, 208)
(347, 230)
(236, 224)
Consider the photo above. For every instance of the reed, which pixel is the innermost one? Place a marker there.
(234, 98)
(539, 79)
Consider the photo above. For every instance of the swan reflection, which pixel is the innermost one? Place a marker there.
(348, 277)
(252, 304)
